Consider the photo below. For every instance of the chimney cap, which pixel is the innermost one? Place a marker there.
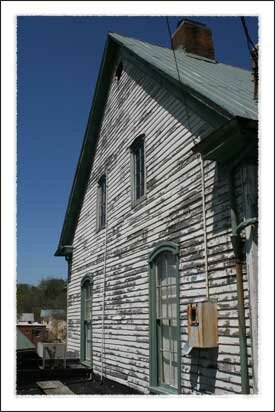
(198, 23)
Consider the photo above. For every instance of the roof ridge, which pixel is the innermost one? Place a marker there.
(141, 41)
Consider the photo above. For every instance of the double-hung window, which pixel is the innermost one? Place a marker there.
(86, 320)
(164, 319)
(101, 203)
(138, 169)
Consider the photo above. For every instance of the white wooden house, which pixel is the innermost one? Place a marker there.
(160, 232)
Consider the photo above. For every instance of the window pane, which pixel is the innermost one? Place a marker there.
(172, 302)
(158, 313)
(102, 202)
(165, 336)
(174, 370)
(141, 170)
(87, 341)
(167, 327)
(87, 291)
(171, 267)
(87, 301)
(138, 160)
(87, 310)
(160, 367)
(163, 302)
(166, 367)
(171, 272)
(137, 168)
(174, 335)
(161, 269)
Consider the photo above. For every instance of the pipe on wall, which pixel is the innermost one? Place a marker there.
(236, 242)
(104, 278)
(204, 227)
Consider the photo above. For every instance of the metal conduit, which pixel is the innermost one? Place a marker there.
(104, 279)
(204, 228)
(236, 242)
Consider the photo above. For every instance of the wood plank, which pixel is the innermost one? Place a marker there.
(54, 388)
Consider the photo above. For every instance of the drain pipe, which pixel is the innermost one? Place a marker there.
(204, 228)
(236, 242)
(104, 278)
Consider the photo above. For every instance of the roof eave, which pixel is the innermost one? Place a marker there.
(227, 142)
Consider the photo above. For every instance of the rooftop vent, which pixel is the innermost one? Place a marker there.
(195, 38)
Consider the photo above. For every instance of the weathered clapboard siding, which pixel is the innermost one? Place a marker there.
(172, 210)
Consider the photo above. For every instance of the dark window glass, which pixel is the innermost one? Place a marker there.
(119, 71)
(102, 202)
(138, 165)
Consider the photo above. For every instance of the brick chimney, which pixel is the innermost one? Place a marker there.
(195, 38)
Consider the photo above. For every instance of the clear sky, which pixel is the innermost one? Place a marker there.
(58, 60)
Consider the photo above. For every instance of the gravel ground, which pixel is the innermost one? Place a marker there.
(95, 387)
(81, 387)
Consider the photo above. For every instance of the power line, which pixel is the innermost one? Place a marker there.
(250, 43)
(253, 50)
(180, 82)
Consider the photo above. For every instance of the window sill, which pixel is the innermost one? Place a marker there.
(98, 230)
(136, 203)
(163, 390)
(88, 364)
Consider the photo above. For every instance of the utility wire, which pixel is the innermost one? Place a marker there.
(180, 82)
(253, 50)
(202, 170)
(172, 47)
(250, 43)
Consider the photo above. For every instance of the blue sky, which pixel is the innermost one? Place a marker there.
(58, 59)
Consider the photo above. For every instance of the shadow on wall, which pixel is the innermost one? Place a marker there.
(203, 369)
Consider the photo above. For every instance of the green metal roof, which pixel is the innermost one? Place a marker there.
(231, 88)
(22, 342)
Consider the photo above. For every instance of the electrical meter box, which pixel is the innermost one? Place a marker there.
(203, 325)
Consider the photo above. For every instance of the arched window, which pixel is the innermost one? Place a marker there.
(101, 203)
(138, 169)
(86, 320)
(164, 319)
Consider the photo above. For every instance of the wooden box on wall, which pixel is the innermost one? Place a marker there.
(203, 325)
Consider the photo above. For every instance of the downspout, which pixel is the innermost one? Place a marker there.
(104, 278)
(204, 228)
(236, 242)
